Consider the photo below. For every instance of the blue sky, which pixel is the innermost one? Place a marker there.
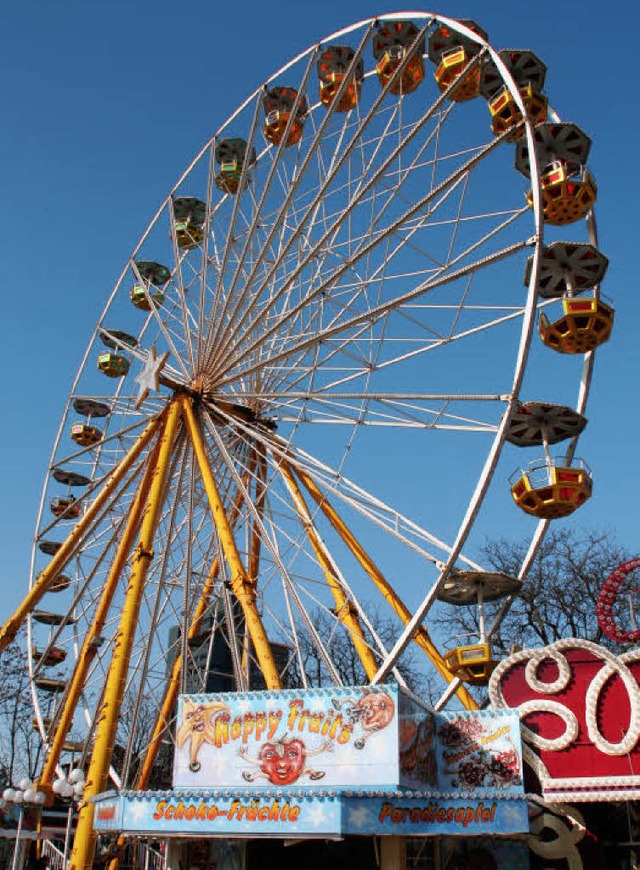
(105, 103)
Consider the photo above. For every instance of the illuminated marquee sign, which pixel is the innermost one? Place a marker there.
(580, 711)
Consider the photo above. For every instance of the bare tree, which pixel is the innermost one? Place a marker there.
(346, 660)
(136, 723)
(558, 597)
(20, 744)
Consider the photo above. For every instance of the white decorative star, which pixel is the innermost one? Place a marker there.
(137, 810)
(149, 377)
(358, 817)
(317, 816)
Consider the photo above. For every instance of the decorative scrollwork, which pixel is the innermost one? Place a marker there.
(614, 666)
(569, 831)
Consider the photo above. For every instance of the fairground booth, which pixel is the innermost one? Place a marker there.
(330, 777)
(369, 777)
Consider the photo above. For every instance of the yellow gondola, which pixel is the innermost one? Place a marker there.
(586, 323)
(568, 193)
(549, 491)
(113, 365)
(85, 435)
(472, 664)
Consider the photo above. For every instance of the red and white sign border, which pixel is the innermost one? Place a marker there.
(594, 788)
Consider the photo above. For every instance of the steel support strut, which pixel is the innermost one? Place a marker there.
(345, 609)
(170, 698)
(109, 712)
(241, 584)
(173, 684)
(421, 636)
(91, 642)
(66, 551)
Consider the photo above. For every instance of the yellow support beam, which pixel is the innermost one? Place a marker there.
(169, 700)
(345, 609)
(241, 584)
(421, 637)
(173, 684)
(256, 459)
(90, 645)
(68, 548)
(107, 718)
(256, 540)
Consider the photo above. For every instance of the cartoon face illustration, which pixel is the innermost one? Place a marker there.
(377, 711)
(197, 727)
(374, 711)
(471, 773)
(284, 761)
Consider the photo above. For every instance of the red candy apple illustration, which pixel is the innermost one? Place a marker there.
(284, 761)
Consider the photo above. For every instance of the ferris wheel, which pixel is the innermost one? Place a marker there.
(292, 410)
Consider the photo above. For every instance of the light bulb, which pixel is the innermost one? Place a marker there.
(9, 795)
(76, 775)
(18, 796)
(39, 798)
(29, 795)
(58, 786)
(25, 784)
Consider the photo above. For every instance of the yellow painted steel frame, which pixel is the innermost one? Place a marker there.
(66, 551)
(107, 718)
(241, 584)
(257, 460)
(254, 549)
(345, 609)
(89, 646)
(170, 697)
(173, 685)
(421, 636)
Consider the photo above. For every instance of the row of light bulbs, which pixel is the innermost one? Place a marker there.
(71, 786)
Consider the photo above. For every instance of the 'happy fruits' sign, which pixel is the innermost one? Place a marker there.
(340, 736)
(352, 737)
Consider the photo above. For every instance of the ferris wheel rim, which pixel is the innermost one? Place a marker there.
(530, 306)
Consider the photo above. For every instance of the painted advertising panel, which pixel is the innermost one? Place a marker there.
(239, 816)
(355, 737)
(416, 745)
(108, 814)
(302, 815)
(410, 816)
(479, 751)
(340, 737)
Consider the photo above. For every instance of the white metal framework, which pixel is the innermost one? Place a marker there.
(352, 332)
